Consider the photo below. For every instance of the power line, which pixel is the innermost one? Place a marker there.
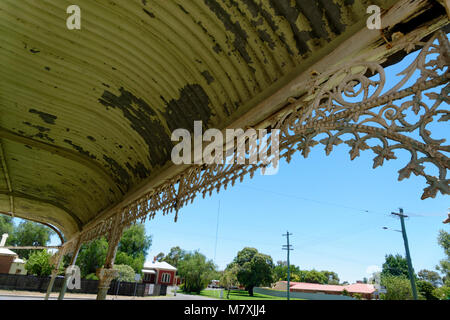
(422, 214)
(314, 200)
(217, 231)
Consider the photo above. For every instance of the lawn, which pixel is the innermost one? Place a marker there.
(239, 295)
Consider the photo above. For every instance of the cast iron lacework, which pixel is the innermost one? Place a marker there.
(398, 119)
(345, 105)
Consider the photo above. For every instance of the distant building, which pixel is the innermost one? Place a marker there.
(367, 291)
(158, 276)
(9, 260)
(214, 284)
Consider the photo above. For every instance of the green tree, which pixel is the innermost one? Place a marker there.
(126, 273)
(29, 233)
(444, 265)
(426, 289)
(332, 277)
(38, 263)
(395, 266)
(175, 254)
(159, 257)
(196, 271)
(6, 226)
(229, 278)
(280, 271)
(136, 263)
(92, 256)
(134, 241)
(254, 268)
(430, 276)
(133, 247)
(397, 288)
(313, 276)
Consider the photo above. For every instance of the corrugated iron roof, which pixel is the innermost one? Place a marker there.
(158, 265)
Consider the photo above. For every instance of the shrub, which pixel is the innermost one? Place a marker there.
(397, 287)
(39, 263)
(126, 273)
(91, 276)
(357, 296)
(442, 293)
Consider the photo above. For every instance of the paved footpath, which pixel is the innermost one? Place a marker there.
(27, 295)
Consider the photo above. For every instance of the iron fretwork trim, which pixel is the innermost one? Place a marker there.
(325, 111)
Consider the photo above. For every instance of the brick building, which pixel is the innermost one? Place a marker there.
(158, 276)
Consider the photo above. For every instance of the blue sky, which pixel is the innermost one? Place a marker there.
(334, 207)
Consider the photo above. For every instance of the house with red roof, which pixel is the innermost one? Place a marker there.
(366, 290)
(158, 276)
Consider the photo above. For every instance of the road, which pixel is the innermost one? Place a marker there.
(17, 297)
(179, 296)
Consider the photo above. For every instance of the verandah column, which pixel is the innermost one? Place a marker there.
(106, 274)
(56, 264)
(72, 262)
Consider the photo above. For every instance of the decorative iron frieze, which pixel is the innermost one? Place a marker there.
(397, 119)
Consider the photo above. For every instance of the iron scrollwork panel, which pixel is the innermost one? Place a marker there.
(397, 119)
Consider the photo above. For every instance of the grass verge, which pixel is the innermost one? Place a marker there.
(238, 295)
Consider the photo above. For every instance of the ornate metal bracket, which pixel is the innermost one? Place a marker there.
(397, 119)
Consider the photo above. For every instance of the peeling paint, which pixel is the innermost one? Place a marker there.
(193, 104)
(217, 48)
(143, 120)
(265, 37)
(40, 128)
(80, 149)
(150, 14)
(47, 117)
(120, 173)
(240, 36)
(208, 77)
(183, 9)
(139, 170)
